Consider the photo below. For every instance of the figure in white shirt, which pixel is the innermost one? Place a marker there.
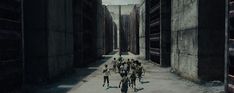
(106, 74)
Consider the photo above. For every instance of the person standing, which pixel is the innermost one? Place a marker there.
(125, 83)
(129, 64)
(106, 73)
(114, 62)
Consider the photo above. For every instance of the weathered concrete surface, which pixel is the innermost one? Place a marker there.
(185, 39)
(142, 43)
(114, 10)
(157, 80)
(134, 31)
(198, 39)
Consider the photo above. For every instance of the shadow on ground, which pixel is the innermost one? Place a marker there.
(139, 89)
(112, 87)
(113, 53)
(124, 53)
(66, 82)
(144, 82)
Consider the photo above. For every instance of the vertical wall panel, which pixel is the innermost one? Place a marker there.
(154, 30)
(48, 39)
(124, 33)
(87, 34)
(11, 45)
(108, 32)
(134, 31)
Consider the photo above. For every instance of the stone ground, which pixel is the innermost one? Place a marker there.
(156, 80)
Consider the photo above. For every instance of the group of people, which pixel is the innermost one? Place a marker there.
(129, 71)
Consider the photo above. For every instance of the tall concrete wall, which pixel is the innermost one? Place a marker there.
(60, 36)
(124, 33)
(158, 31)
(134, 31)
(87, 47)
(108, 32)
(114, 10)
(184, 49)
(115, 35)
(211, 39)
(196, 47)
(35, 37)
(48, 38)
(165, 33)
(142, 37)
(100, 29)
(11, 62)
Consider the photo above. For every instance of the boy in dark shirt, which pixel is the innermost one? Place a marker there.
(133, 80)
(125, 83)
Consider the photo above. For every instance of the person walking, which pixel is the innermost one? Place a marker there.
(124, 84)
(134, 65)
(106, 73)
(125, 68)
(122, 71)
(133, 80)
(140, 70)
(120, 59)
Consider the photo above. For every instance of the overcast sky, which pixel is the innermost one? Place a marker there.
(120, 2)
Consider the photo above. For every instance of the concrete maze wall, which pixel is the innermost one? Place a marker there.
(197, 51)
(48, 39)
(11, 62)
(142, 37)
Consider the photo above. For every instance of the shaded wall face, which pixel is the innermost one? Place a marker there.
(134, 31)
(184, 44)
(108, 31)
(100, 29)
(211, 39)
(11, 63)
(124, 33)
(86, 37)
(231, 39)
(60, 36)
(165, 46)
(48, 39)
(35, 38)
(115, 35)
(114, 10)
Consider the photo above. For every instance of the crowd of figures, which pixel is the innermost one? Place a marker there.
(128, 70)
